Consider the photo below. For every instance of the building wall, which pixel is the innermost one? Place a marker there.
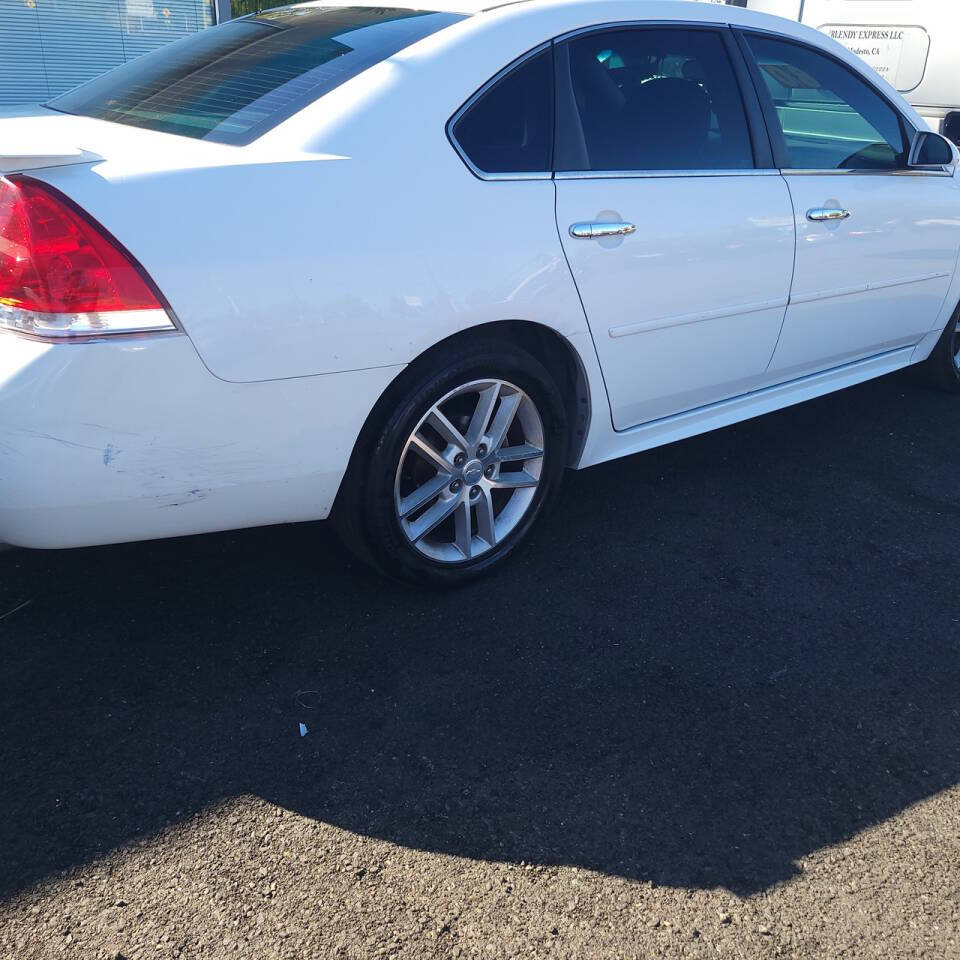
(241, 8)
(49, 46)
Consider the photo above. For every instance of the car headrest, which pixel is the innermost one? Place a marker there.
(595, 90)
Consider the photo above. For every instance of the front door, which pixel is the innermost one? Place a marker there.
(876, 242)
(681, 249)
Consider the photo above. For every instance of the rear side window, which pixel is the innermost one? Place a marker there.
(830, 118)
(650, 99)
(231, 83)
(508, 128)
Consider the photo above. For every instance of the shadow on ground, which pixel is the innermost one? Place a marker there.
(712, 659)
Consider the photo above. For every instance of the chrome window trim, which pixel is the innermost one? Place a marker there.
(452, 122)
(661, 174)
(494, 177)
(787, 172)
(715, 25)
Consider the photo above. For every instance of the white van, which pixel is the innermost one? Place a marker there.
(913, 44)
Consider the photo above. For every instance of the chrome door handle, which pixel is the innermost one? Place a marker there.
(591, 231)
(820, 214)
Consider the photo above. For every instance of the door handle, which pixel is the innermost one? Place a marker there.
(820, 214)
(592, 231)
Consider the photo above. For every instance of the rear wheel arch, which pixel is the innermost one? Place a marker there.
(550, 348)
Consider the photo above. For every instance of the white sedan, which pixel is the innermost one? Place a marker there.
(404, 267)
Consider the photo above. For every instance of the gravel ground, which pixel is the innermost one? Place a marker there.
(713, 709)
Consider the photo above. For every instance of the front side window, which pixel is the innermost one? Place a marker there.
(233, 82)
(830, 118)
(650, 99)
(509, 127)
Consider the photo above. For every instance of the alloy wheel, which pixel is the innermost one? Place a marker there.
(469, 471)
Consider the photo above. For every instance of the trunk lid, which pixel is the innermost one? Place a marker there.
(40, 138)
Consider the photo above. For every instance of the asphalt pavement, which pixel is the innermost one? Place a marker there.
(711, 708)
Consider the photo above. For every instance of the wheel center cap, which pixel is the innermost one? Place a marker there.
(472, 471)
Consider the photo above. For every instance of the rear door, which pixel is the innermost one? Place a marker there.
(876, 242)
(680, 243)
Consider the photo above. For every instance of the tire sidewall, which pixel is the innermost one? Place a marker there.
(381, 527)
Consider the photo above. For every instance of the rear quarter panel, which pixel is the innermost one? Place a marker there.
(352, 237)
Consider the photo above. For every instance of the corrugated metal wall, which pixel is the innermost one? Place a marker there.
(49, 46)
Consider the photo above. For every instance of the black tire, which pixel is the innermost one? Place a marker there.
(366, 513)
(943, 365)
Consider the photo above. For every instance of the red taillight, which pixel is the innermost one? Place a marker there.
(63, 275)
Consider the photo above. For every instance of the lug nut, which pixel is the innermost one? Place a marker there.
(455, 486)
(482, 450)
(475, 492)
(459, 460)
(489, 472)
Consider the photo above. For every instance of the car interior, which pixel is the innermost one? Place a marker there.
(657, 100)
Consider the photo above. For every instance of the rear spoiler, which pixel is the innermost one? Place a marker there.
(16, 160)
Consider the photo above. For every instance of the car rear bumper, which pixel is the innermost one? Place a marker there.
(130, 440)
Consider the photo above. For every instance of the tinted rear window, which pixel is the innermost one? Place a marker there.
(509, 127)
(233, 82)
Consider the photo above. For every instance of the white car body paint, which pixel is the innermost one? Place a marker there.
(373, 243)
(656, 315)
(109, 441)
(886, 270)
